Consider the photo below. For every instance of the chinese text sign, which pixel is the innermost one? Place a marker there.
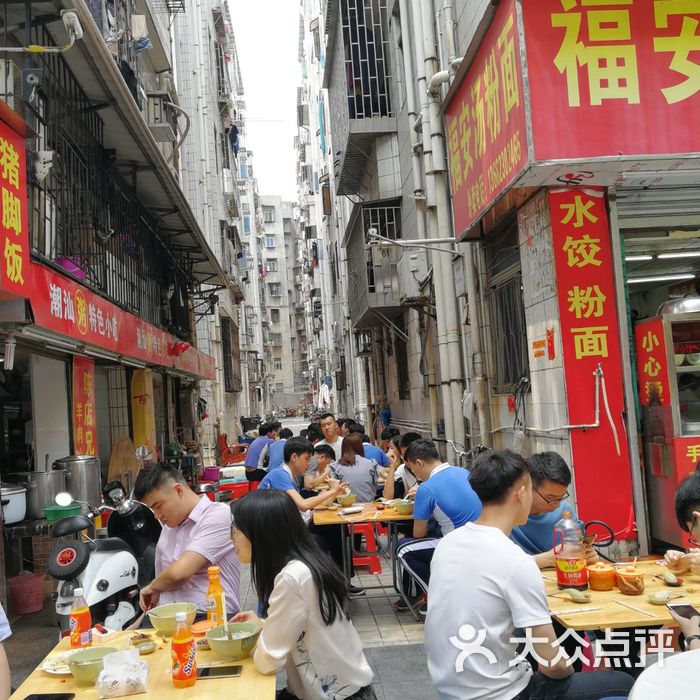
(14, 227)
(84, 423)
(485, 122)
(590, 336)
(618, 77)
(652, 368)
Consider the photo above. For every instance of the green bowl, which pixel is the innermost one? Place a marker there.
(163, 617)
(86, 664)
(347, 500)
(404, 507)
(233, 649)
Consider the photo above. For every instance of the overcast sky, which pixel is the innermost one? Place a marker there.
(267, 36)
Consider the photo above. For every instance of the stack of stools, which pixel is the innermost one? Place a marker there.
(370, 558)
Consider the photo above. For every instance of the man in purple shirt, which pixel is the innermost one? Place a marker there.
(196, 535)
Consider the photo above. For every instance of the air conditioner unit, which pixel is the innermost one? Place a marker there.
(160, 117)
(412, 270)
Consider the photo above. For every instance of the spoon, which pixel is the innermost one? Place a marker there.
(662, 597)
(576, 596)
(669, 578)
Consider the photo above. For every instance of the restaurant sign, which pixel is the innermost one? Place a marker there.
(83, 395)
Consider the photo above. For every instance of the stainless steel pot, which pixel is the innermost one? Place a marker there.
(84, 478)
(42, 488)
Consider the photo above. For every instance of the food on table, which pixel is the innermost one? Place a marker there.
(573, 594)
(678, 565)
(57, 665)
(670, 579)
(346, 499)
(601, 576)
(662, 597)
(139, 637)
(630, 580)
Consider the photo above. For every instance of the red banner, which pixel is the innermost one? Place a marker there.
(485, 122)
(84, 419)
(14, 225)
(614, 78)
(590, 337)
(64, 306)
(652, 367)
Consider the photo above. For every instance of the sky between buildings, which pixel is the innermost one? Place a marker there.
(267, 36)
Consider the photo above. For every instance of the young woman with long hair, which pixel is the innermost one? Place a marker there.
(305, 598)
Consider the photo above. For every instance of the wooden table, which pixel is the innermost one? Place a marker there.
(369, 514)
(606, 613)
(250, 685)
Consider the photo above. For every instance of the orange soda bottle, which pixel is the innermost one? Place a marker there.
(215, 597)
(183, 652)
(80, 622)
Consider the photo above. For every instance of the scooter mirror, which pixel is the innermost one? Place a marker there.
(142, 453)
(64, 498)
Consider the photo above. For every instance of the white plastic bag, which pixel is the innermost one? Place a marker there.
(123, 673)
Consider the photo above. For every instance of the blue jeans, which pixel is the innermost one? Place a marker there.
(592, 685)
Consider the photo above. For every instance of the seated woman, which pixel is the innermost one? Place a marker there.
(304, 596)
(361, 474)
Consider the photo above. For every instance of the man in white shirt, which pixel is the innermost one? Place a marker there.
(331, 434)
(483, 587)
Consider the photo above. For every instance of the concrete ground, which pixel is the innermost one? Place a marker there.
(393, 641)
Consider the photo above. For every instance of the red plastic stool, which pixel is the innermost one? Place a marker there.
(253, 485)
(237, 489)
(369, 559)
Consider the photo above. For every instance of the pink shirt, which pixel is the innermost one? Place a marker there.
(206, 531)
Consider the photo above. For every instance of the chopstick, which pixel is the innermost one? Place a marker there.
(634, 607)
(574, 611)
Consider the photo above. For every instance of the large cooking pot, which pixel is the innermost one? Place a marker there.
(42, 488)
(84, 481)
(14, 503)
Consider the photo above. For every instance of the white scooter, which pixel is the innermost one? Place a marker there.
(110, 571)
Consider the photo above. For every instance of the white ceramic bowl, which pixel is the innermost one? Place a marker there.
(693, 358)
(679, 359)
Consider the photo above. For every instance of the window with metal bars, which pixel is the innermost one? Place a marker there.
(231, 355)
(386, 221)
(365, 26)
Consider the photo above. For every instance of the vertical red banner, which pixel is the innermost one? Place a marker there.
(84, 421)
(591, 338)
(14, 225)
(652, 366)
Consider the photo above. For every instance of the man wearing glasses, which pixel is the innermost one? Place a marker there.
(551, 478)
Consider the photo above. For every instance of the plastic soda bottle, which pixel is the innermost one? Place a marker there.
(80, 622)
(183, 652)
(569, 553)
(215, 597)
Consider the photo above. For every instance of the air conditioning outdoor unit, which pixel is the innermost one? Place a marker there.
(160, 117)
(412, 270)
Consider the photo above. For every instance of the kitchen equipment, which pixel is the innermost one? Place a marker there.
(42, 488)
(680, 306)
(14, 503)
(54, 513)
(84, 481)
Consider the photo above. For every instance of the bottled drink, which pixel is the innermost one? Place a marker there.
(80, 622)
(570, 554)
(183, 651)
(215, 597)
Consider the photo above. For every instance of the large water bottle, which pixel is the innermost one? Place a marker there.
(570, 553)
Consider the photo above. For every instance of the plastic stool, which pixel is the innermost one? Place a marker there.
(253, 486)
(371, 558)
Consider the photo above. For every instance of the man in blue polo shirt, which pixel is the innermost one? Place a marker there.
(275, 450)
(371, 451)
(297, 457)
(444, 501)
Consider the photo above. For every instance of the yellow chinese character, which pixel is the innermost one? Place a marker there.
(79, 437)
(87, 384)
(580, 210)
(590, 342)
(582, 251)
(88, 414)
(654, 390)
(612, 68)
(89, 442)
(509, 68)
(492, 94)
(586, 302)
(81, 312)
(650, 341)
(478, 119)
(681, 46)
(79, 411)
(11, 211)
(455, 154)
(652, 367)
(692, 452)
(9, 162)
(465, 130)
(13, 262)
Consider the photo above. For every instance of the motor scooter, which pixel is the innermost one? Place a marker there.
(111, 570)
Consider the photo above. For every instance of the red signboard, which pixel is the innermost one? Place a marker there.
(64, 306)
(14, 226)
(485, 122)
(590, 337)
(652, 367)
(614, 78)
(84, 419)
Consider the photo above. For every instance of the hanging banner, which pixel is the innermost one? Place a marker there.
(652, 367)
(14, 225)
(84, 418)
(591, 339)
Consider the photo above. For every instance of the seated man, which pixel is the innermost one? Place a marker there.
(196, 535)
(371, 451)
(321, 472)
(482, 587)
(252, 471)
(275, 450)
(400, 481)
(444, 501)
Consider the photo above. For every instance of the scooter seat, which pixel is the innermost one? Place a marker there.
(70, 525)
(110, 544)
